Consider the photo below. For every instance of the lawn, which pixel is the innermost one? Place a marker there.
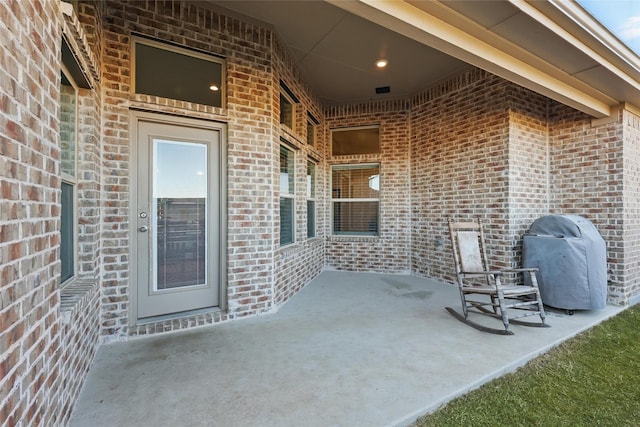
(590, 380)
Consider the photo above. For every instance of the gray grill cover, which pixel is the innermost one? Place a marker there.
(572, 259)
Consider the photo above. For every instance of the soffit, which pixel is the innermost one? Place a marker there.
(336, 43)
(565, 36)
(336, 51)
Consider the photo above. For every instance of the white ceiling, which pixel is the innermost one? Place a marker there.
(336, 49)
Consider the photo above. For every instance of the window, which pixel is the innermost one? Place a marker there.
(68, 138)
(176, 73)
(311, 199)
(355, 141)
(287, 106)
(287, 212)
(286, 111)
(355, 199)
(311, 130)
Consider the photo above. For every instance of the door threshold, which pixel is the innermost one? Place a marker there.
(174, 316)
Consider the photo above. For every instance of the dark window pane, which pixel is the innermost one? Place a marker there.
(174, 75)
(311, 134)
(67, 233)
(311, 218)
(355, 141)
(286, 111)
(286, 220)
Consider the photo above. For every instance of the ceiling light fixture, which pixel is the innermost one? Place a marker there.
(214, 88)
(381, 63)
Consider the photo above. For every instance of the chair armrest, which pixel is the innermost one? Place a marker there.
(499, 272)
(486, 273)
(521, 270)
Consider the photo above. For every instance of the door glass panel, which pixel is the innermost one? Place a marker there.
(179, 226)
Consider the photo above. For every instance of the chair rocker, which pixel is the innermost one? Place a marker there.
(482, 290)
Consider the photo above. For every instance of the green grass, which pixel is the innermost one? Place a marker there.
(590, 380)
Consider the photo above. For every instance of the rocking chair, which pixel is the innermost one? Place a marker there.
(475, 280)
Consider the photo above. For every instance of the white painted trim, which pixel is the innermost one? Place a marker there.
(609, 119)
(612, 45)
(74, 34)
(631, 108)
(579, 16)
(614, 116)
(67, 8)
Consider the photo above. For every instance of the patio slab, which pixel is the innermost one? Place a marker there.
(350, 349)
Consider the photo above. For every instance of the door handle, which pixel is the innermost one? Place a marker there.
(143, 229)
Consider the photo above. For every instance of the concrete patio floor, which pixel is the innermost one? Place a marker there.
(350, 349)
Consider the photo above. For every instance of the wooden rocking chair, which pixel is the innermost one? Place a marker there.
(476, 280)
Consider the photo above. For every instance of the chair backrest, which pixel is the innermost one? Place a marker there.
(467, 242)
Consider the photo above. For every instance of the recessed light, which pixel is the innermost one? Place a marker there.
(214, 88)
(381, 63)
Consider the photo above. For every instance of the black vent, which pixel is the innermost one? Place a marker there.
(383, 89)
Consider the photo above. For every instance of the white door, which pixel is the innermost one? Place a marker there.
(178, 218)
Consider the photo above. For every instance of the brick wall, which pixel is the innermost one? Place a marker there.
(89, 162)
(255, 64)
(631, 198)
(48, 337)
(460, 168)
(80, 310)
(30, 37)
(389, 251)
(80, 300)
(247, 52)
(586, 179)
(250, 162)
(512, 160)
(528, 165)
(473, 145)
(298, 263)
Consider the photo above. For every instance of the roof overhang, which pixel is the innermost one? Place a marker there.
(553, 47)
(461, 34)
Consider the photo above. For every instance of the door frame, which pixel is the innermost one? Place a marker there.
(135, 117)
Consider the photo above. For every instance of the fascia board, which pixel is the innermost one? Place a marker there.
(584, 26)
(594, 40)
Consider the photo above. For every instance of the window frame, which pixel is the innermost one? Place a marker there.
(334, 200)
(71, 180)
(289, 194)
(311, 199)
